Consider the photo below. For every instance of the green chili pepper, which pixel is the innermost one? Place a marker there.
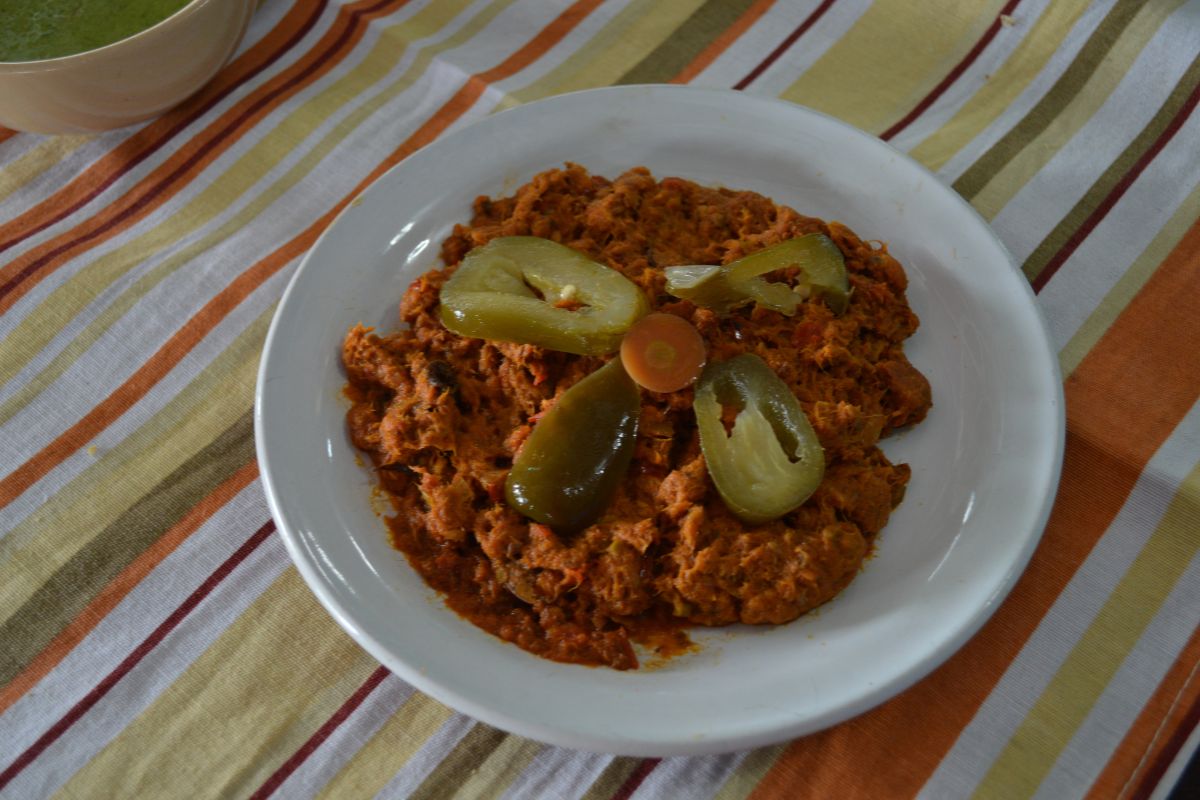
(491, 296)
(771, 461)
(571, 465)
(725, 288)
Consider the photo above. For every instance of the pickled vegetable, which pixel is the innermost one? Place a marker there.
(663, 352)
(771, 461)
(569, 469)
(494, 294)
(724, 288)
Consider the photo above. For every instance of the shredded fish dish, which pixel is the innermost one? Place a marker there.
(443, 418)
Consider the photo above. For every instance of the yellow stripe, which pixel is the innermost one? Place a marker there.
(1003, 86)
(1092, 663)
(753, 768)
(67, 300)
(241, 709)
(377, 761)
(1130, 283)
(492, 778)
(624, 41)
(51, 536)
(1005, 184)
(36, 160)
(868, 80)
(611, 778)
(34, 549)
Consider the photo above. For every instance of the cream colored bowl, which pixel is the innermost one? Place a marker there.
(131, 80)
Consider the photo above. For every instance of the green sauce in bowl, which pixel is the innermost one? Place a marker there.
(32, 30)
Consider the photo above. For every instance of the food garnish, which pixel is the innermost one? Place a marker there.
(492, 296)
(663, 352)
(724, 288)
(578, 452)
(771, 461)
(571, 464)
(560, 506)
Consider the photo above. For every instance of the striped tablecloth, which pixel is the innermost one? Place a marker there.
(157, 642)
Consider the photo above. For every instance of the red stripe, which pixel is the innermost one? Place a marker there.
(954, 74)
(317, 739)
(1166, 755)
(183, 169)
(6, 134)
(186, 337)
(141, 651)
(785, 44)
(635, 780)
(1117, 192)
(183, 123)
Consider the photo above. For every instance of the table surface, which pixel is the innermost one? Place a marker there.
(157, 641)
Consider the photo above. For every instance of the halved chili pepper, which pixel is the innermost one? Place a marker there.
(723, 288)
(771, 461)
(492, 296)
(569, 469)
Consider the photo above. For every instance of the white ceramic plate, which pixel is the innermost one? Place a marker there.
(985, 463)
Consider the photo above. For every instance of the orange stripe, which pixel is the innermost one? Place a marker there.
(151, 372)
(536, 47)
(722, 42)
(123, 584)
(1107, 448)
(149, 137)
(1162, 715)
(174, 175)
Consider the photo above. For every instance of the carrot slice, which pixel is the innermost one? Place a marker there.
(663, 352)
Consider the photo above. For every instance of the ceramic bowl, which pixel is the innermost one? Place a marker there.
(128, 81)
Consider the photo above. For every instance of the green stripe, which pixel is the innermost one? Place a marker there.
(624, 39)
(612, 778)
(971, 182)
(1104, 185)
(232, 714)
(36, 330)
(30, 165)
(470, 752)
(52, 607)
(688, 41)
(24, 534)
(1130, 283)
(34, 549)
(749, 773)
(493, 777)
(1005, 85)
(380, 757)
(1104, 646)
